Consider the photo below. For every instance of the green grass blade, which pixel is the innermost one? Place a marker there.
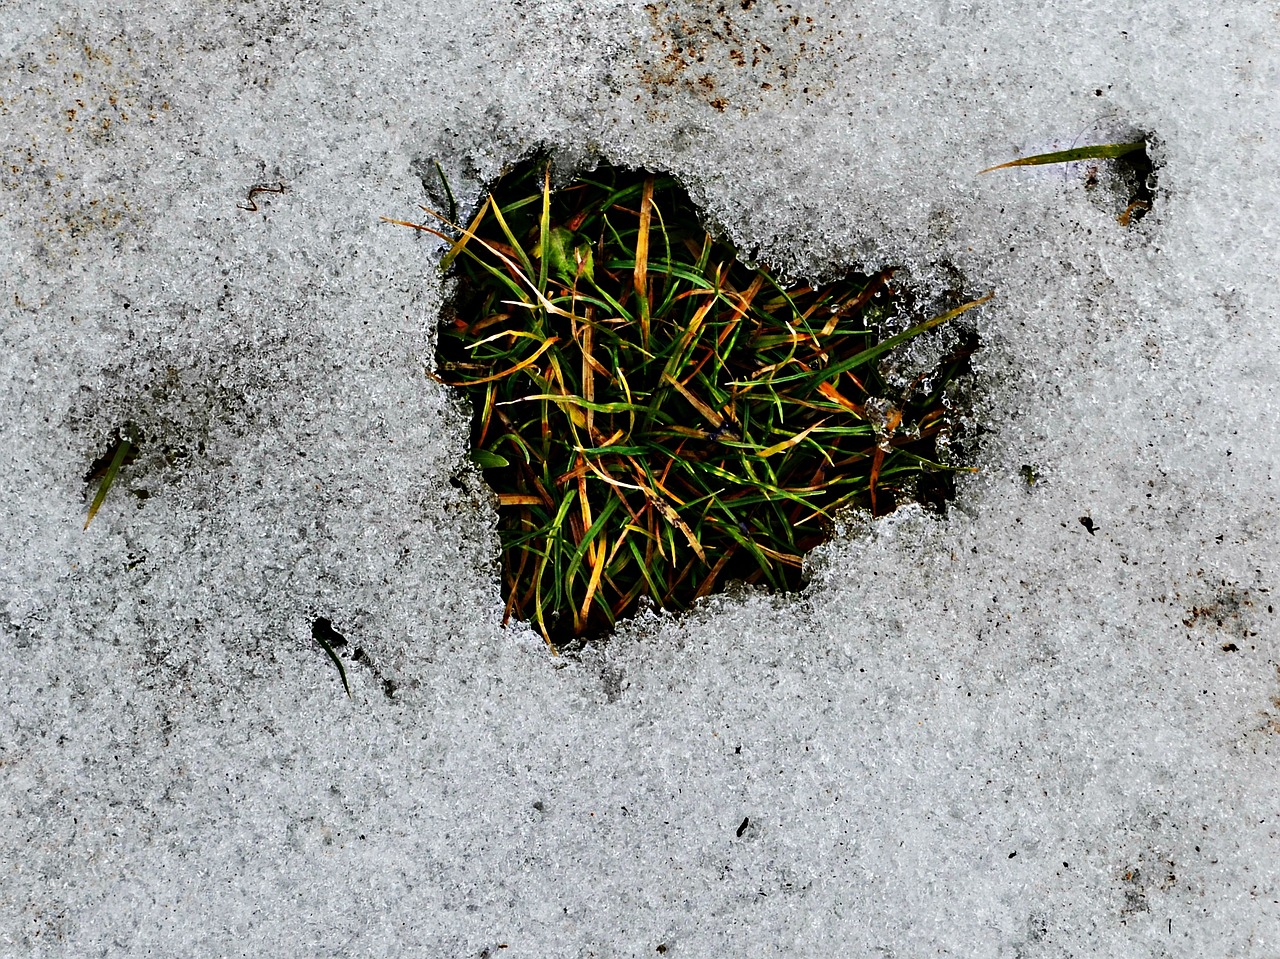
(444, 181)
(525, 262)
(544, 232)
(575, 561)
(123, 449)
(328, 648)
(1102, 151)
(875, 352)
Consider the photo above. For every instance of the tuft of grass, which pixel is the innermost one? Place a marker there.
(656, 416)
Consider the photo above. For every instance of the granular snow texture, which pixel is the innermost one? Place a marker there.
(1046, 724)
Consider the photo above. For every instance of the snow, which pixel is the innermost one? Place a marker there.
(996, 733)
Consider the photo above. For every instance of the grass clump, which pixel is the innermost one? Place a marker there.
(656, 416)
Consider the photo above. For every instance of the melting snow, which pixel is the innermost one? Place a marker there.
(1044, 725)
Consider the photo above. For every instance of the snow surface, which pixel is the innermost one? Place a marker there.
(991, 734)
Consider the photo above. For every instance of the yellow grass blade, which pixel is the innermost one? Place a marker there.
(642, 259)
(788, 443)
(710, 415)
(523, 364)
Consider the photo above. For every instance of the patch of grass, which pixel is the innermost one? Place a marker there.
(657, 417)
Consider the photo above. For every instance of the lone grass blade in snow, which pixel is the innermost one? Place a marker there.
(658, 418)
(124, 450)
(1132, 175)
(327, 637)
(1102, 151)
